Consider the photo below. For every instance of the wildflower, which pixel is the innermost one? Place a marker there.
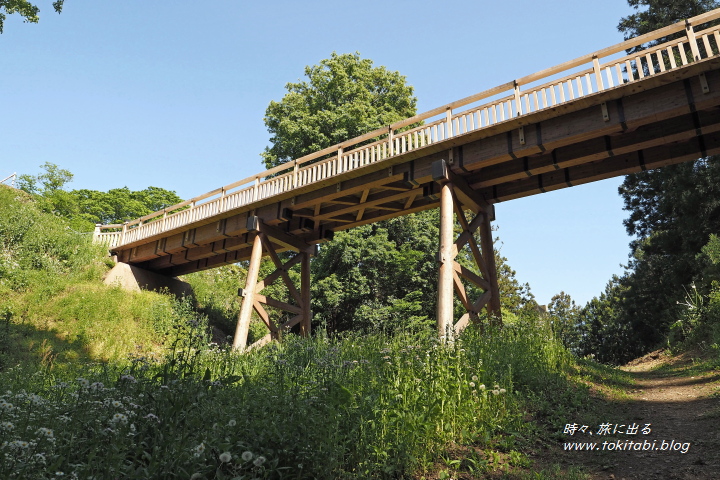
(39, 457)
(128, 378)
(6, 426)
(83, 382)
(472, 384)
(97, 386)
(119, 417)
(152, 416)
(247, 456)
(502, 390)
(45, 432)
(5, 405)
(19, 444)
(474, 378)
(496, 392)
(259, 461)
(482, 387)
(225, 457)
(232, 423)
(116, 404)
(64, 418)
(199, 450)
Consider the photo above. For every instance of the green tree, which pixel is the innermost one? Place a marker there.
(380, 276)
(672, 212)
(88, 207)
(25, 9)
(564, 318)
(343, 97)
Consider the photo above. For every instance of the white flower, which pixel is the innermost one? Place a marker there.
(199, 450)
(247, 456)
(116, 404)
(502, 390)
(225, 457)
(496, 392)
(83, 382)
(472, 384)
(259, 461)
(474, 378)
(7, 426)
(119, 417)
(232, 423)
(482, 387)
(128, 378)
(45, 432)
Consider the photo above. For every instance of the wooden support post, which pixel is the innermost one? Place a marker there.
(243, 325)
(486, 241)
(446, 282)
(305, 294)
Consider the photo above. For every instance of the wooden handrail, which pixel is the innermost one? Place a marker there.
(345, 155)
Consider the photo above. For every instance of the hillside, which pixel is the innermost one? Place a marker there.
(91, 372)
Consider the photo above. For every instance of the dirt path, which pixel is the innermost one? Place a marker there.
(683, 409)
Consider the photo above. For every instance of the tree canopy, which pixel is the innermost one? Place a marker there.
(88, 207)
(672, 213)
(29, 11)
(344, 96)
(374, 277)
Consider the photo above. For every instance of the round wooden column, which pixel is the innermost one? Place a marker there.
(445, 281)
(243, 325)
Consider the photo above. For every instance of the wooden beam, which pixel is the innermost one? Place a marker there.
(278, 304)
(471, 276)
(280, 267)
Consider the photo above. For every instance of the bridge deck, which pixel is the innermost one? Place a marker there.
(575, 123)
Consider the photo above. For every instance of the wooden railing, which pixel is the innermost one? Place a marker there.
(11, 179)
(563, 83)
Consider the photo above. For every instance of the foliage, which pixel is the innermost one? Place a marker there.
(343, 97)
(84, 207)
(564, 317)
(658, 14)
(672, 213)
(26, 10)
(344, 408)
(53, 303)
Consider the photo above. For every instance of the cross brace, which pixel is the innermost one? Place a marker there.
(454, 194)
(264, 237)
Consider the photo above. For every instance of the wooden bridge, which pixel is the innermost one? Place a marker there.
(595, 117)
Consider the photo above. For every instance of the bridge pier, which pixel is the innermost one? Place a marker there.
(454, 193)
(268, 239)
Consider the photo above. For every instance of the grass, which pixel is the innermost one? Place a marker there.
(96, 382)
(372, 407)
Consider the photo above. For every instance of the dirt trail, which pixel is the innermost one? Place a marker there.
(681, 407)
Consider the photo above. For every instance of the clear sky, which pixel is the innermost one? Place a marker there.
(172, 94)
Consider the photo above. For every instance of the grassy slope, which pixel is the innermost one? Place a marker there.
(373, 407)
(53, 305)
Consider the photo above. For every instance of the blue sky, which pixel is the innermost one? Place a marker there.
(172, 94)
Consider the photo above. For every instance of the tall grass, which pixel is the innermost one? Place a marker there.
(352, 407)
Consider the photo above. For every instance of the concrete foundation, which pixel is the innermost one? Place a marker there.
(131, 278)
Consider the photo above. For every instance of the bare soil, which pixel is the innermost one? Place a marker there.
(681, 405)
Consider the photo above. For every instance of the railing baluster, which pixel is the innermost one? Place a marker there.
(598, 74)
(692, 41)
(629, 70)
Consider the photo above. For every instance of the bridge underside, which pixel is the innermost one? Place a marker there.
(668, 118)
